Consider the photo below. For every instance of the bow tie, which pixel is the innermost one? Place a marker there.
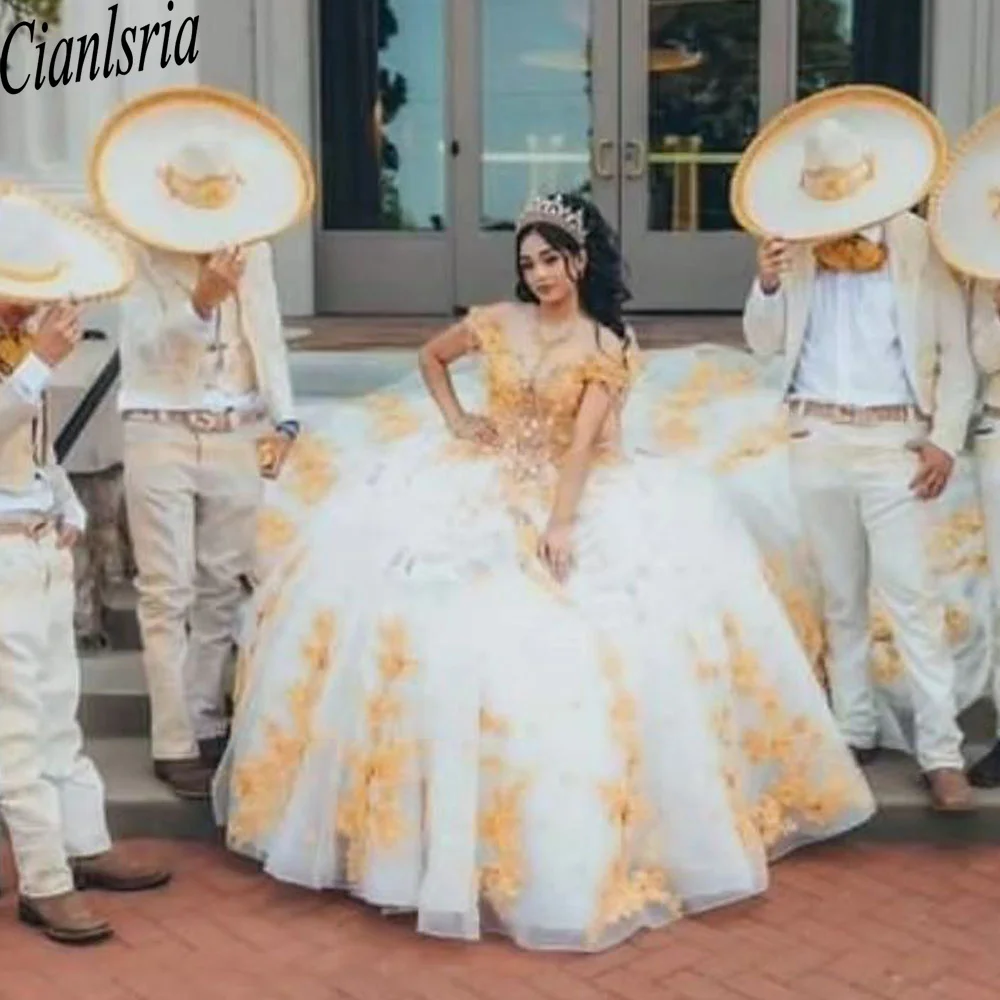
(851, 255)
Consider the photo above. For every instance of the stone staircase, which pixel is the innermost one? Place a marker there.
(115, 708)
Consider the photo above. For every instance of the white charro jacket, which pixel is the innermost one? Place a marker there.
(21, 401)
(932, 317)
(986, 340)
(164, 343)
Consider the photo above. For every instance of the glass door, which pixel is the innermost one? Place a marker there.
(384, 215)
(695, 88)
(536, 111)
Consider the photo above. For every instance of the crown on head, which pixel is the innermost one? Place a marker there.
(554, 211)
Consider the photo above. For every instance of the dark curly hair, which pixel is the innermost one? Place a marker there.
(603, 291)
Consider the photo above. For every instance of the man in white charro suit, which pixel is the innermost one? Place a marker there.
(198, 180)
(965, 223)
(879, 384)
(51, 795)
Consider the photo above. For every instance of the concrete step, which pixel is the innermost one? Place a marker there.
(114, 713)
(903, 813)
(113, 699)
(120, 622)
(140, 806)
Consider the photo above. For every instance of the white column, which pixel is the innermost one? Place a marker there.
(153, 76)
(284, 58)
(960, 55)
(45, 134)
(993, 89)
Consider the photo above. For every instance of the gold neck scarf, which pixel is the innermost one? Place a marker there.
(14, 348)
(851, 255)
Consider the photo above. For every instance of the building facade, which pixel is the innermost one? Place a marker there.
(432, 121)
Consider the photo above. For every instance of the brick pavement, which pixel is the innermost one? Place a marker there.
(843, 923)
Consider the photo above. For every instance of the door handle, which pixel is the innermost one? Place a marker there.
(635, 159)
(602, 159)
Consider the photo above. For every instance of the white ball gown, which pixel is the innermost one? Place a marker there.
(426, 719)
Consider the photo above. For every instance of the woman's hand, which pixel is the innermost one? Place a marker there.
(555, 549)
(476, 428)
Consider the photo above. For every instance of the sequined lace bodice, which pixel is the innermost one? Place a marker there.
(535, 379)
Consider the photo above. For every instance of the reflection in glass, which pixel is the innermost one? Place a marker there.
(382, 69)
(860, 41)
(704, 82)
(536, 110)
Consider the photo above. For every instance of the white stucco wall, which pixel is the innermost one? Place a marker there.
(45, 134)
(263, 48)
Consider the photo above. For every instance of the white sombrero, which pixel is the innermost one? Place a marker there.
(194, 169)
(49, 252)
(836, 163)
(965, 209)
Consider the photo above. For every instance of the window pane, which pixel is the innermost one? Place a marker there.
(382, 67)
(704, 85)
(861, 41)
(536, 103)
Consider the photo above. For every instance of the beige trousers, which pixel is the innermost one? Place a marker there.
(192, 501)
(867, 531)
(51, 796)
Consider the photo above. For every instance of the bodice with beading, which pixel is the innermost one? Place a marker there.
(535, 382)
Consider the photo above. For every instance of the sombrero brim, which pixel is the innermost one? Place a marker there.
(95, 263)
(276, 192)
(908, 142)
(962, 222)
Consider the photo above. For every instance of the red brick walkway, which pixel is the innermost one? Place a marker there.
(849, 923)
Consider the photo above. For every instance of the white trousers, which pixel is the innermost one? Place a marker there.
(192, 502)
(867, 531)
(51, 796)
(987, 448)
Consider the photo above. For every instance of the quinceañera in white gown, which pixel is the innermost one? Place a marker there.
(435, 717)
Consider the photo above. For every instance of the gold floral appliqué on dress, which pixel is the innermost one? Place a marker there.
(275, 531)
(370, 813)
(631, 885)
(263, 782)
(802, 788)
(310, 471)
(393, 418)
(503, 868)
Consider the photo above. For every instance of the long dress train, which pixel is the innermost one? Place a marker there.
(426, 719)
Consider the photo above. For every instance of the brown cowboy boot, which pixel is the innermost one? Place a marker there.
(66, 919)
(187, 779)
(212, 751)
(950, 790)
(113, 872)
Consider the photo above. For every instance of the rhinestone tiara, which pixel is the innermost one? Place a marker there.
(554, 211)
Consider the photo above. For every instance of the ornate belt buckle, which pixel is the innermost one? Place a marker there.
(201, 420)
(35, 529)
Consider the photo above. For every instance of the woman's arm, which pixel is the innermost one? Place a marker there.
(555, 547)
(590, 419)
(435, 359)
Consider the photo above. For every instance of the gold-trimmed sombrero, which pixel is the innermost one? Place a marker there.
(836, 163)
(964, 212)
(193, 169)
(50, 252)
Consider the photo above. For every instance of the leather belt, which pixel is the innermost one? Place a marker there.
(28, 527)
(204, 421)
(860, 416)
